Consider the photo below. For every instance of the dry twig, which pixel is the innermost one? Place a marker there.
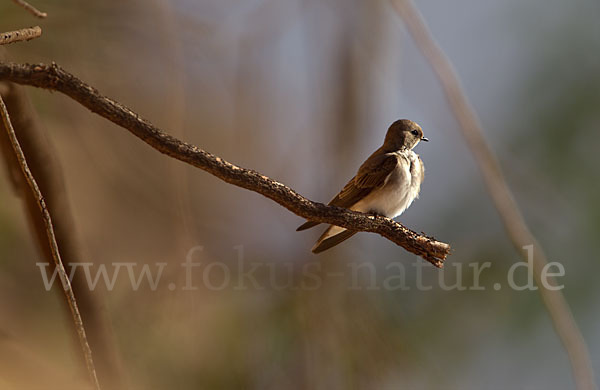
(24, 34)
(513, 220)
(54, 246)
(54, 78)
(45, 167)
(31, 9)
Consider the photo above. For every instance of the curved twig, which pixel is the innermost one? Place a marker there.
(54, 78)
(513, 220)
(31, 9)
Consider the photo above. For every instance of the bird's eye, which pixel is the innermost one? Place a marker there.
(415, 132)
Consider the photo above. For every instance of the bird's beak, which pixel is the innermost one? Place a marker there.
(425, 139)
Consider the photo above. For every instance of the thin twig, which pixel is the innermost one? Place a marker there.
(513, 220)
(46, 168)
(54, 78)
(24, 34)
(30, 8)
(54, 246)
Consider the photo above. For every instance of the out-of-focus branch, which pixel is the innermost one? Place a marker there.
(54, 78)
(53, 244)
(31, 9)
(24, 34)
(513, 220)
(46, 169)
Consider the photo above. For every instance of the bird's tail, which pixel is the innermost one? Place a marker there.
(331, 237)
(307, 225)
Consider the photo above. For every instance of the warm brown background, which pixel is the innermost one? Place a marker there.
(303, 91)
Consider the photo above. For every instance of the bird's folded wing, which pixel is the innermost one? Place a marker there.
(372, 174)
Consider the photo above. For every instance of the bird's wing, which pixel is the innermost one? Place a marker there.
(372, 174)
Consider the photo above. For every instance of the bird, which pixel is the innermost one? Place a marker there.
(386, 183)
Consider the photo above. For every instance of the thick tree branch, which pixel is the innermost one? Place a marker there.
(54, 78)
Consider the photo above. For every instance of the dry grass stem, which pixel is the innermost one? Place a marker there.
(513, 220)
(53, 244)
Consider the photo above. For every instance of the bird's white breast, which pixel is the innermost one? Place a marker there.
(399, 190)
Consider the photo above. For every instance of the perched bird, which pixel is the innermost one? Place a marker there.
(385, 184)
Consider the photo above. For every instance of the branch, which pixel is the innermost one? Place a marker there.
(24, 34)
(54, 246)
(54, 78)
(513, 220)
(45, 167)
(31, 9)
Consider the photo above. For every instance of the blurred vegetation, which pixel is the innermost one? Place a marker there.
(302, 91)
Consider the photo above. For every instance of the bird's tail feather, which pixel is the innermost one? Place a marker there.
(331, 238)
(307, 225)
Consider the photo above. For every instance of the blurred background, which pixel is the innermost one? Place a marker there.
(303, 91)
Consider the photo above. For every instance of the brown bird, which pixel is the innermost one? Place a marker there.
(386, 183)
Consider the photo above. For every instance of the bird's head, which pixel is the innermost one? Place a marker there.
(403, 134)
